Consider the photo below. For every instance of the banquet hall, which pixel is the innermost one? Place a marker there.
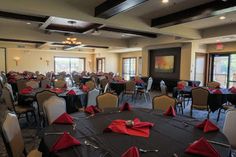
(117, 78)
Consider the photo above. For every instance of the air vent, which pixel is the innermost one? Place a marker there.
(20, 46)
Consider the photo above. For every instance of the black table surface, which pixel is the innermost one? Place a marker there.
(169, 135)
(118, 87)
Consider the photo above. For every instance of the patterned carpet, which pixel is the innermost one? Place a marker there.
(30, 132)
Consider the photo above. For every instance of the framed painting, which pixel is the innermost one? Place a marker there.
(164, 64)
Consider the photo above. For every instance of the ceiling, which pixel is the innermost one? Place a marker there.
(132, 23)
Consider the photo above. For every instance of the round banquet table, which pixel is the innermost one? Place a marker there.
(73, 102)
(215, 101)
(169, 135)
(118, 87)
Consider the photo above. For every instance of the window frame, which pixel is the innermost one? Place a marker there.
(124, 58)
(101, 58)
(69, 61)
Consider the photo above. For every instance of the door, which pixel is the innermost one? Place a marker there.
(200, 68)
(220, 71)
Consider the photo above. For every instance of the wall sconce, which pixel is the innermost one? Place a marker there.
(16, 59)
(47, 61)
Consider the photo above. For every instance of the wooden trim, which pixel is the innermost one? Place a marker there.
(5, 54)
(9, 15)
(100, 58)
(110, 8)
(210, 9)
(22, 41)
(126, 31)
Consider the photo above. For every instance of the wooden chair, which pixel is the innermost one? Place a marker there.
(91, 85)
(13, 106)
(163, 102)
(130, 89)
(33, 84)
(59, 83)
(13, 140)
(44, 83)
(107, 100)
(103, 83)
(200, 100)
(54, 107)
(213, 84)
(21, 84)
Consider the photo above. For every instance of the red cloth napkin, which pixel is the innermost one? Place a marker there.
(85, 88)
(71, 92)
(131, 152)
(180, 86)
(202, 147)
(48, 86)
(207, 126)
(126, 107)
(26, 90)
(216, 91)
(64, 119)
(63, 142)
(233, 89)
(141, 129)
(57, 90)
(92, 109)
(170, 112)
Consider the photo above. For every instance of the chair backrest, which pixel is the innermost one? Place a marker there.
(12, 136)
(103, 83)
(213, 84)
(44, 83)
(41, 97)
(163, 88)
(59, 83)
(92, 95)
(76, 79)
(130, 86)
(1, 82)
(40, 77)
(54, 107)
(200, 96)
(149, 85)
(229, 129)
(163, 102)
(162, 82)
(107, 100)
(21, 84)
(4, 77)
(7, 97)
(106, 88)
(33, 84)
(184, 83)
(90, 84)
(9, 87)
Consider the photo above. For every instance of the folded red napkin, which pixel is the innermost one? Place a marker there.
(26, 90)
(180, 86)
(202, 147)
(63, 142)
(125, 107)
(207, 126)
(64, 119)
(48, 86)
(57, 90)
(131, 152)
(170, 112)
(85, 88)
(141, 129)
(216, 91)
(233, 89)
(71, 92)
(92, 109)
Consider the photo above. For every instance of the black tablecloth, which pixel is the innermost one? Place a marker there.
(169, 135)
(73, 102)
(215, 101)
(118, 87)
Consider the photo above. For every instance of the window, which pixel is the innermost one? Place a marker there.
(69, 64)
(129, 68)
(100, 64)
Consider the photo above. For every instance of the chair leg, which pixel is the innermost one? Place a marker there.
(218, 117)
(145, 97)
(191, 111)
(149, 96)
(35, 118)
(208, 115)
(27, 117)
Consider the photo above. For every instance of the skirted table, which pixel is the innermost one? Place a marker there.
(170, 135)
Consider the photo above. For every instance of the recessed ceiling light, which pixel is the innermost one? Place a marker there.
(218, 41)
(165, 1)
(28, 23)
(222, 17)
